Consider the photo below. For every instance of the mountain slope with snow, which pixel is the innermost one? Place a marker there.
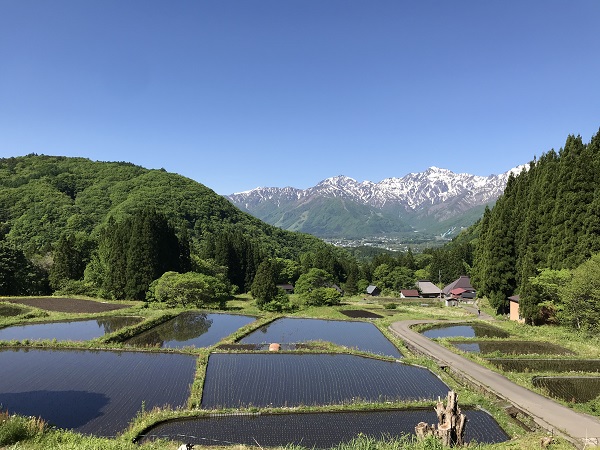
(426, 202)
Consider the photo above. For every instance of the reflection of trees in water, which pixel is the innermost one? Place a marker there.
(184, 327)
(112, 324)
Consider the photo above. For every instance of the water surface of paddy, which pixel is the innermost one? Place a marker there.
(467, 330)
(95, 392)
(570, 389)
(191, 329)
(316, 430)
(79, 330)
(359, 335)
(235, 380)
(546, 365)
(513, 347)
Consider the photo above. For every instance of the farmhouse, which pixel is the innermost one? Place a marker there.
(514, 309)
(428, 289)
(460, 289)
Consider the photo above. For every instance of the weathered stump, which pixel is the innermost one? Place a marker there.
(451, 423)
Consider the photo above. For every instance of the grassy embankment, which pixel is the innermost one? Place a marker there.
(22, 433)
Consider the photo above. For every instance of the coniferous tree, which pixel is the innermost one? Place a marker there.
(264, 289)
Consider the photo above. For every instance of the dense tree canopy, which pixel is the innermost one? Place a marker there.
(547, 218)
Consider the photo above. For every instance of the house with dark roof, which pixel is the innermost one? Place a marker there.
(428, 289)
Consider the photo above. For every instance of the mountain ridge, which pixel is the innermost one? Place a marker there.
(393, 205)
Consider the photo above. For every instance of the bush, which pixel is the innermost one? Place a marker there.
(390, 306)
(322, 297)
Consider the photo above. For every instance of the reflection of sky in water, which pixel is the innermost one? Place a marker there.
(96, 392)
(467, 331)
(292, 379)
(191, 329)
(81, 330)
(454, 331)
(323, 430)
(360, 335)
(468, 347)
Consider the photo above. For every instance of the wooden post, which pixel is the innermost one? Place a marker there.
(451, 423)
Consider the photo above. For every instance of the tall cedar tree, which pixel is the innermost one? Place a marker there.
(264, 288)
(137, 251)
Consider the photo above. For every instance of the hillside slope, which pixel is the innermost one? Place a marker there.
(42, 197)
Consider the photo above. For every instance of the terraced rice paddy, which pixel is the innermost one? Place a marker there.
(361, 314)
(69, 305)
(315, 430)
(9, 310)
(546, 365)
(358, 335)
(474, 330)
(238, 380)
(191, 329)
(570, 389)
(508, 347)
(80, 330)
(96, 392)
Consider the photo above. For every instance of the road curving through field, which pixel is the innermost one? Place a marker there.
(581, 429)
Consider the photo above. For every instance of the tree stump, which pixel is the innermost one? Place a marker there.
(451, 423)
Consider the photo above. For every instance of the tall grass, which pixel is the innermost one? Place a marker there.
(15, 428)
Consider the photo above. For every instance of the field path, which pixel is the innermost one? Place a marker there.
(583, 430)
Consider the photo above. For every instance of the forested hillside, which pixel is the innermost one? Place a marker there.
(67, 217)
(546, 223)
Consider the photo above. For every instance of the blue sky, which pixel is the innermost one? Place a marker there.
(244, 93)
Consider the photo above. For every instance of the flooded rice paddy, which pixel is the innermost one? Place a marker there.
(546, 365)
(80, 330)
(358, 335)
(95, 392)
(237, 380)
(315, 430)
(473, 330)
(508, 347)
(191, 329)
(570, 389)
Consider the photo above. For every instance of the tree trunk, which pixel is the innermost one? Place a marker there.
(451, 423)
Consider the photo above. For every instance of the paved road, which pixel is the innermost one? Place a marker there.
(583, 429)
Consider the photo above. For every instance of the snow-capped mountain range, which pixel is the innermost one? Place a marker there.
(424, 201)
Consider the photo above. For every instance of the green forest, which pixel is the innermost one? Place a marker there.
(542, 238)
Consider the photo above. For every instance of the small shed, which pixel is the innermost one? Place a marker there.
(373, 290)
(514, 309)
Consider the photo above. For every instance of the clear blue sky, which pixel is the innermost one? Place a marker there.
(244, 93)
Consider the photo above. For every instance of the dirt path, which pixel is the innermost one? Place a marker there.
(583, 430)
